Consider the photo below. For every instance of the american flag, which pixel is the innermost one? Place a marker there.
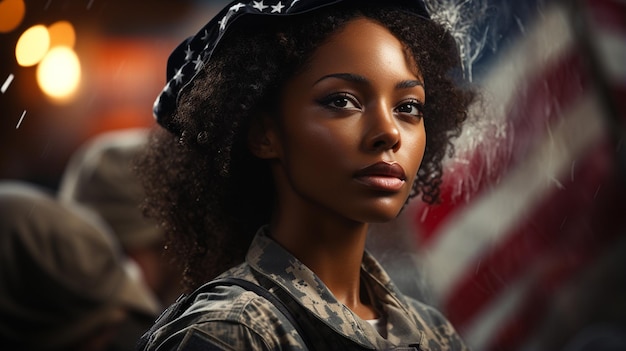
(528, 249)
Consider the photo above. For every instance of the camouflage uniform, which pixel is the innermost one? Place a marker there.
(232, 318)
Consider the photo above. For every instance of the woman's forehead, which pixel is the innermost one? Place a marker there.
(362, 45)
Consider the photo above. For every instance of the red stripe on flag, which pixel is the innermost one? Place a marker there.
(557, 226)
(608, 13)
(591, 227)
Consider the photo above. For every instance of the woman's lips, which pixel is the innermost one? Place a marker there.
(382, 176)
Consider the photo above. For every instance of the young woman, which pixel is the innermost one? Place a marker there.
(289, 126)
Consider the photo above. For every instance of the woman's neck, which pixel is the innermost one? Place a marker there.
(331, 247)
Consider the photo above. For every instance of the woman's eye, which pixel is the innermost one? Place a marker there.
(413, 108)
(341, 101)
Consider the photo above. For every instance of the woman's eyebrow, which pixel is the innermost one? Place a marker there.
(355, 78)
(411, 83)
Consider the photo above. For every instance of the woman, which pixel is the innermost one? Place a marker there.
(309, 120)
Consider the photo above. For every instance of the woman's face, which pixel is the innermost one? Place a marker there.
(350, 137)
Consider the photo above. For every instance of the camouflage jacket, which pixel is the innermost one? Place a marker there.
(232, 318)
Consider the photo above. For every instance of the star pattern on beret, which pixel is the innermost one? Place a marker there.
(278, 8)
(259, 5)
(188, 53)
(178, 76)
(225, 19)
(193, 62)
(205, 36)
(237, 6)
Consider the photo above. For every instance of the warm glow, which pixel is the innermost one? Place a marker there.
(32, 45)
(58, 74)
(11, 14)
(62, 34)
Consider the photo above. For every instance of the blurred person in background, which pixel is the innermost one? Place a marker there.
(100, 177)
(64, 283)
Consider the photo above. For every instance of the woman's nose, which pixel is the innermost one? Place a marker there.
(382, 131)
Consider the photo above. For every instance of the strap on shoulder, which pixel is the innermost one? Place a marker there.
(185, 301)
(172, 312)
(278, 303)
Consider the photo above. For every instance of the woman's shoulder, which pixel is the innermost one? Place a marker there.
(435, 325)
(429, 314)
(226, 316)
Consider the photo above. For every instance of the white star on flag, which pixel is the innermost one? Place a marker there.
(278, 7)
(259, 5)
(237, 6)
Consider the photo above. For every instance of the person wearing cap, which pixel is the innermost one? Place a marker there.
(287, 128)
(64, 283)
(100, 177)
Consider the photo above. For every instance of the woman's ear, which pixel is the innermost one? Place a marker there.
(262, 138)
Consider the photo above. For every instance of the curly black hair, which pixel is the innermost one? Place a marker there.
(209, 193)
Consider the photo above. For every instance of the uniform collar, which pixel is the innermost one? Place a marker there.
(270, 259)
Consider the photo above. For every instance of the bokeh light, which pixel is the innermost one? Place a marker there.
(11, 14)
(32, 45)
(62, 34)
(59, 73)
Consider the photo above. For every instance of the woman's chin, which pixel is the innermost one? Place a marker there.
(380, 217)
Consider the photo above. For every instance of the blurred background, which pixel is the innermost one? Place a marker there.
(110, 65)
(527, 250)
